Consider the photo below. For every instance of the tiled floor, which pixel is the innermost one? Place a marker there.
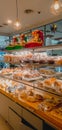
(4, 125)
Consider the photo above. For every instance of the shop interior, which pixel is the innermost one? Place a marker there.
(31, 65)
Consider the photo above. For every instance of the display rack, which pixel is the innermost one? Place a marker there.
(37, 49)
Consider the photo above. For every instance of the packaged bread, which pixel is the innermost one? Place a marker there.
(23, 94)
(30, 74)
(58, 86)
(45, 106)
(34, 98)
(17, 75)
(39, 84)
(49, 104)
(51, 60)
(54, 84)
(31, 98)
(39, 97)
(58, 62)
(6, 71)
(50, 82)
(47, 72)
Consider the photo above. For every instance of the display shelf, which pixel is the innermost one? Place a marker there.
(22, 58)
(51, 47)
(35, 65)
(37, 49)
(32, 85)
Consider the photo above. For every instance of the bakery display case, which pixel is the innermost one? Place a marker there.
(37, 68)
(35, 82)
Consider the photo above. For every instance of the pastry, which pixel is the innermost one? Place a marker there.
(45, 106)
(31, 99)
(59, 62)
(17, 75)
(28, 76)
(48, 72)
(23, 94)
(30, 93)
(50, 104)
(58, 86)
(49, 81)
(39, 84)
(42, 61)
(51, 61)
(38, 97)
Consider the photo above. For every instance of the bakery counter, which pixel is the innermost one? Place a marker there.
(27, 108)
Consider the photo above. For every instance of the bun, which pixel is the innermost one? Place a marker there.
(38, 97)
(49, 81)
(45, 106)
(23, 94)
(17, 75)
(58, 86)
(30, 93)
(59, 62)
(31, 99)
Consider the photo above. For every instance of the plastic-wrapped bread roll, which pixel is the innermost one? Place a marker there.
(59, 62)
(58, 86)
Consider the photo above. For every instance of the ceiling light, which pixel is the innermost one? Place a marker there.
(56, 7)
(9, 21)
(17, 22)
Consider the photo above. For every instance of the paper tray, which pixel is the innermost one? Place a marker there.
(46, 75)
(31, 79)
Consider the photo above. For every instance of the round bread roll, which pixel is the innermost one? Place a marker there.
(30, 93)
(38, 97)
(23, 94)
(31, 99)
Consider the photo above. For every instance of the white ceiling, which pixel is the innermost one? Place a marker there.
(8, 11)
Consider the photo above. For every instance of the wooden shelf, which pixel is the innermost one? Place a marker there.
(51, 47)
(37, 49)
